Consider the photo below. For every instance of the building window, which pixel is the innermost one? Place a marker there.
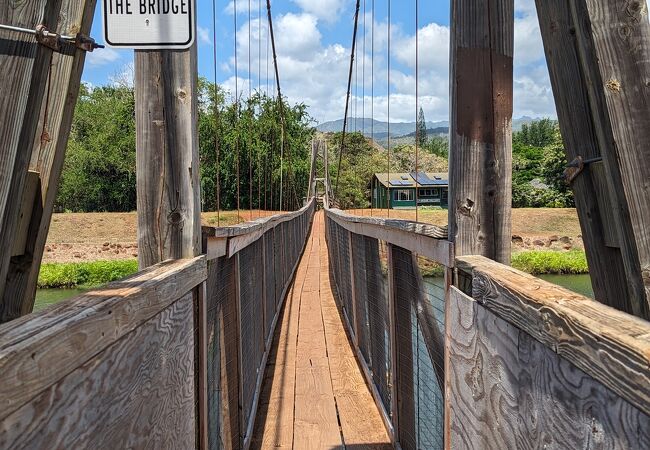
(436, 193)
(404, 195)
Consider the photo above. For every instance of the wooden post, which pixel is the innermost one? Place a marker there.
(169, 207)
(28, 72)
(598, 56)
(481, 127)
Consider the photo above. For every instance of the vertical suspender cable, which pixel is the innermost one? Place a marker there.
(280, 101)
(363, 84)
(347, 100)
(250, 119)
(389, 26)
(259, 100)
(237, 118)
(216, 110)
(417, 104)
(372, 98)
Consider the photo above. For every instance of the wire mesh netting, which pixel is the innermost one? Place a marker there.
(244, 294)
(370, 276)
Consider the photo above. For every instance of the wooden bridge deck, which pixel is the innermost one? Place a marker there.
(314, 395)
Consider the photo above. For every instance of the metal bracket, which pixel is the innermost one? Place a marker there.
(576, 167)
(46, 38)
(53, 41)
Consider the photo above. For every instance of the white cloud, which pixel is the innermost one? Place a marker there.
(326, 10)
(204, 35)
(102, 57)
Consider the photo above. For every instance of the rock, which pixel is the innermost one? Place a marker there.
(119, 245)
(135, 255)
(106, 244)
(539, 243)
(77, 255)
(567, 247)
(517, 240)
(565, 240)
(48, 248)
(116, 251)
(553, 238)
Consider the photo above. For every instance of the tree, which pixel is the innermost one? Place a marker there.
(421, 130)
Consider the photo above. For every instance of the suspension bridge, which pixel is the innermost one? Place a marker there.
(317, 328)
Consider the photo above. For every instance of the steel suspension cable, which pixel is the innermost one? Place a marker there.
(372, 96)
(250, 119)
(259, 99)
(237, 118)
(389, 30)
(363, 83)
(347, 100)
(216, 110)
(417, 103)
(280, 100)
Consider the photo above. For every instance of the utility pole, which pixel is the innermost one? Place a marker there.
(480, 157)
(169, 207)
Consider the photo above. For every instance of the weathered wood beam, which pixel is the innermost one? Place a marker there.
(611, 346)
(169, 206)
(47, 156)
(480, 158)
(24, 71)
(598, 55)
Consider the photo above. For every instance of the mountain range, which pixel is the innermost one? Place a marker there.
(399, 129)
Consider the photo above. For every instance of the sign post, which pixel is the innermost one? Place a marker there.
(149, 24)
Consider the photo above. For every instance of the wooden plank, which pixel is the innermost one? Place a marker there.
(419, 238)
(29, 204)
(611, 346)
(480, 164)
(201, 382)
(48, 154)
(136, 393)
(619, 34)
(508, 390)
(68, 335)
(24, 71)
(586, 132)
(169, 206)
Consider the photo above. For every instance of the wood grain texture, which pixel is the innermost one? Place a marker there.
(619, 34)
(587, 132)
(47, 156)
(507, 390)
(313, 381)
(24, 70)
(169, 204)
(426, 240)
(611, 346)
(136, 393)
(480, 164)
(38, 350)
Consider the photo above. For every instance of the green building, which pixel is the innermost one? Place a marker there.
(399, 190)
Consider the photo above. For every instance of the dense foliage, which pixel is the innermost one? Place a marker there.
(87, 274)
(538, 164)
(100, 172)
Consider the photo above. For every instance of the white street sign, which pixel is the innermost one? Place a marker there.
(149, 24)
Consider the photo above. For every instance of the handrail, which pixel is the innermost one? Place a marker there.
(221, 241)
(609, 345)
(424, 239)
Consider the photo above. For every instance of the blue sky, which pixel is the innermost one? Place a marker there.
(313, 39)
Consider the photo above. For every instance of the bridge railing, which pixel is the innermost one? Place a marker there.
(112, 368)
(250, 270)
(469, 353)
(531, 364)
(391, 277)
